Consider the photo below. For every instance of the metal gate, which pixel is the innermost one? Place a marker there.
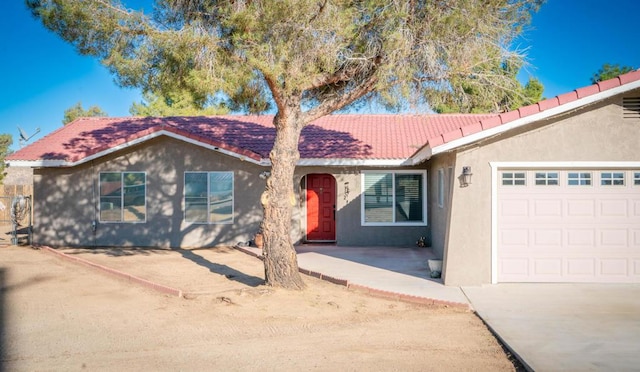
(16, 225)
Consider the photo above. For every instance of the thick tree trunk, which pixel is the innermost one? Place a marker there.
(278, 199)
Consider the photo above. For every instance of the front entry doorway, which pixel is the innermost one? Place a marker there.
(321, 208)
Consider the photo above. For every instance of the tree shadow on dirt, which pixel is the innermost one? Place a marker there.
(228, 272)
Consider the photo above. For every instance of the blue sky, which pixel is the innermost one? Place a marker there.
(42, 75)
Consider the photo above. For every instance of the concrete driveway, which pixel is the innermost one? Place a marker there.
(565, 327)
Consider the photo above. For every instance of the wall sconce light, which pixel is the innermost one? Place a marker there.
(465, 177)
(264, 175)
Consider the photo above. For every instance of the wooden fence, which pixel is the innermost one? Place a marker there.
(15, 190)
(7, 195)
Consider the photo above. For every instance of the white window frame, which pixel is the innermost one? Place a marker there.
(513, 179)
(611, 179)
(441, 188)
(580, 178)
(544, 181)
(121, 197)
(422, 173)
(208, 222)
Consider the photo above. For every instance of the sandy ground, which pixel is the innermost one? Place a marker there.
(57, 315)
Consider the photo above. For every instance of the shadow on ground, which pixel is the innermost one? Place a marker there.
(228, 272)
(188, 254)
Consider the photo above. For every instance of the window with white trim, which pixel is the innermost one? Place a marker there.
(441, 188)
(612, 178)
(123, 197)
(547, 179)
(208, 197)
(513, 178)
(636, 178)
(579, 178)
(394, 198)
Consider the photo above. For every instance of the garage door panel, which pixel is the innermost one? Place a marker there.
(548, 208)
(635, 233)
(614, 237)
(614, 266)
(515, 237)
(515, 267)
(549, 267)
(580, 237)
(636, 208)
(581, 208)
(614, 208)
(547, 237)
(568, 233)
(581, 267)
(515, 208)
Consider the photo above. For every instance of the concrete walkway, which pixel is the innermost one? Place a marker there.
(396, 270)
(565, 327)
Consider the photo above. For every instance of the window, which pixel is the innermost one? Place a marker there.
(513, 179)
(547, 179)
(636, 178)
(441, 188)
(612, 178)
(208, 197)
(123, 197)
(579, 178)
(394, 198)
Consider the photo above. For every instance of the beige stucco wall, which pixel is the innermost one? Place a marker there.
(66, 199)
(594, 133)
(439, 215)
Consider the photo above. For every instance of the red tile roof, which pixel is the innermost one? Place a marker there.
(331, 137)
(357, 137)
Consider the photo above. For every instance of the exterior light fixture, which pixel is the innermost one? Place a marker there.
(465, 177)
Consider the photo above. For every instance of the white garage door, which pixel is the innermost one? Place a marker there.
(568, 225)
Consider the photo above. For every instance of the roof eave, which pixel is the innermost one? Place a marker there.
(50, 163)
(549, 113)
(350, 162)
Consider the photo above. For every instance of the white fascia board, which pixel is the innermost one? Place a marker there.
(36, 163)
(64, 163)
(346, 162)
(422, 155)
(214, 148)
(564, 164)
(567, 107)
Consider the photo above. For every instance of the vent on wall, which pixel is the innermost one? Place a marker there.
(631, 107)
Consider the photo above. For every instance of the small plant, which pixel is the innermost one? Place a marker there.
(422, 242)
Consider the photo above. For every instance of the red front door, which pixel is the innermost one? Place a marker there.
(321, 207)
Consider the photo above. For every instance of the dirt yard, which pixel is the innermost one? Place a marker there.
(57, 315)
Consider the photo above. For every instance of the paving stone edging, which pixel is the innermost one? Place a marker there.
(131, 278)
(371, 291)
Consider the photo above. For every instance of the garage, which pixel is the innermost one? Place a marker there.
(567, 224)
